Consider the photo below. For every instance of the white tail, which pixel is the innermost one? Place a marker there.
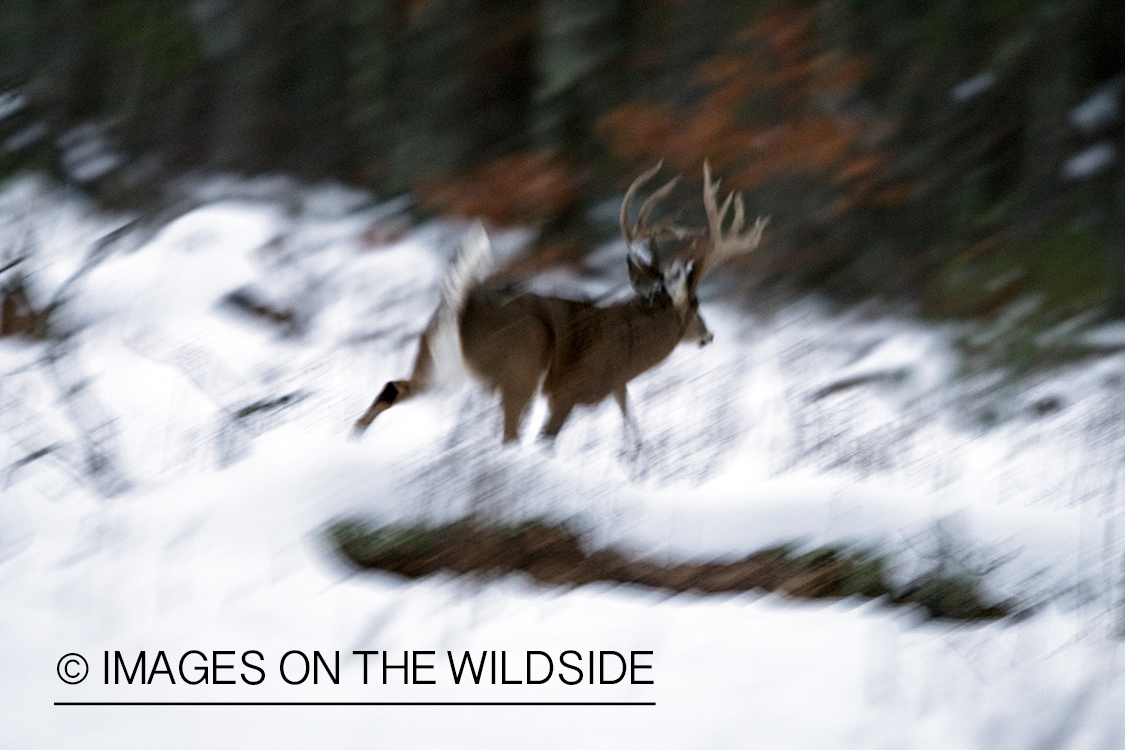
(472, 264)
(574, 352)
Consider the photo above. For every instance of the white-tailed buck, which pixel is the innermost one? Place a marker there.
(574, 352)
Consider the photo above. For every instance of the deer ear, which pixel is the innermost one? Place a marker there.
(675, 281)
(644, 277)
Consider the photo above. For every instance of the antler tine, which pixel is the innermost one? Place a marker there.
(640, 229)
(739, 215)
(710, 192)
(628, 199)
(650, 202)
(733, 242)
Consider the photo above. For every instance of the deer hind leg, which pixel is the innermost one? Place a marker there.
(392, 393)
(514, 403)
(559, 409)
(518, 386)
(505, 343)
(397, 391)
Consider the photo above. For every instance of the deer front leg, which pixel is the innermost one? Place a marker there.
(622, 398)
(632, 436)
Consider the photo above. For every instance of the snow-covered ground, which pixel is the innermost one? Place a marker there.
(170, 464)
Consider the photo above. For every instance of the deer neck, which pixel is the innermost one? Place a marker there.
(651, 331)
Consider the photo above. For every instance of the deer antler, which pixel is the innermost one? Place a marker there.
(640, 229)
(725, 245)
(645, 271)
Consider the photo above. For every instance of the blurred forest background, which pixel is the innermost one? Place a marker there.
(961, 156)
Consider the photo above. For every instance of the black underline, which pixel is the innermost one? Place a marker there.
(355, 703)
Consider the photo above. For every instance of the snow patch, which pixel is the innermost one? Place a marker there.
(805, 427)
(1099, 110)
(1090, 162)
(973, 87)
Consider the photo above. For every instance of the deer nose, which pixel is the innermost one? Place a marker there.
(706, 339)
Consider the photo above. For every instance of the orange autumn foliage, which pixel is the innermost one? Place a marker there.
(776, 106)
(525, 188)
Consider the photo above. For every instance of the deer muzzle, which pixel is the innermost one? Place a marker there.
(696, 331)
